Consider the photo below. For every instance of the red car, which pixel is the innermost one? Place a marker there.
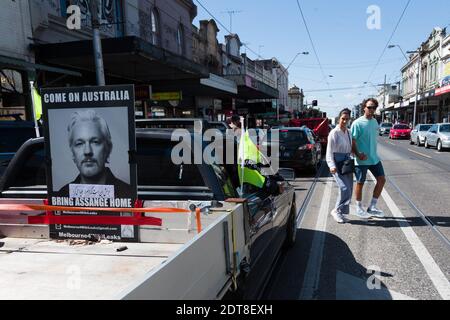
(400, 131)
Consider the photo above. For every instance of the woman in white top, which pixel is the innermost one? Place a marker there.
(339, 149)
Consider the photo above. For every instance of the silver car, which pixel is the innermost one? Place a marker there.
(385, 128)
(418, 134)
(438, 136)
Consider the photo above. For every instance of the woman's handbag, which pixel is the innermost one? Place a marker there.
(346, 166)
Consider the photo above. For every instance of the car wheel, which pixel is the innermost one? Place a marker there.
(291, 231)
(439, 146)
(427, 146)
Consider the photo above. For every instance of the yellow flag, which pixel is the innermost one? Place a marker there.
(37, 104)
(249, 151)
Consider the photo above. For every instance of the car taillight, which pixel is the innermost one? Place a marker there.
(306, 147)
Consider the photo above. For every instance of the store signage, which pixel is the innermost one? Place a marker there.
(143, 92)
(251, 82)
(442, 90)
(167, 96)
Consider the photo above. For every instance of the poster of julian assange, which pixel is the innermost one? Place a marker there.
(89, 135)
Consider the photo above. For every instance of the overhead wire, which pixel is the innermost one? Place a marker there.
(389, 41)
(312, 42)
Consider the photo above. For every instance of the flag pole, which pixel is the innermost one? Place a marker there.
(242, 154)
(36, 127)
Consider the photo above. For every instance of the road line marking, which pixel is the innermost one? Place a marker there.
(392, 143)
(423, 155)
(312, 274)
(440, 281)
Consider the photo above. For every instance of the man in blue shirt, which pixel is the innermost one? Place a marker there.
(364, 132)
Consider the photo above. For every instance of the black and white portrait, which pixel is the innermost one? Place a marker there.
(91, 148)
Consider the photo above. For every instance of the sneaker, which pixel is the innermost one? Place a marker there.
(375, 212)
(361, 213)
(337, 217)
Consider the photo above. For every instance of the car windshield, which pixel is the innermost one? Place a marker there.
(386, 125)
(401, 126)
(445, 128)
(425, 127)
(289, 136)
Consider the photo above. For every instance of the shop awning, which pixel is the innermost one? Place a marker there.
(442, 90)
(13, 63)
(213, 86)
(250, 88)
(125, 57)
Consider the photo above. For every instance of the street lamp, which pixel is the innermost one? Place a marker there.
(419, 70)
(278, 78)
(396, 45)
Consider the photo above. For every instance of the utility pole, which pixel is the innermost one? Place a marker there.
(419, 70)
(97, 42)
(384, 99)
(231, 12)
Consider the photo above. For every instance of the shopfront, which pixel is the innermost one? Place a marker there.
(15, 91)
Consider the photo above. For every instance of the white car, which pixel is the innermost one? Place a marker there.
(385, 128)
(418, 134)
(438, 136)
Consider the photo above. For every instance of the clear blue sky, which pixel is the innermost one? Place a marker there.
(347, 49)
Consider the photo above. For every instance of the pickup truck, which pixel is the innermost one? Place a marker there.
(233, 254)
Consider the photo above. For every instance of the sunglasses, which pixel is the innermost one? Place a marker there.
(371, 108)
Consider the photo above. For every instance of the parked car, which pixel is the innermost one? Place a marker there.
(299, 149)
(385, 127)
(418, 134)
(400, 131)
(438, 136)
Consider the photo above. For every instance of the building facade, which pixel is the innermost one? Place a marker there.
(424, 83)
(16, 59)
(295, 99)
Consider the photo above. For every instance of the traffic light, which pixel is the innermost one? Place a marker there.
(314, 103)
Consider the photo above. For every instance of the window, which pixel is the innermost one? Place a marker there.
(401, 126)
(155, 26)
(12, 137)
(289, 136)
(424, 127)
(155, 167)
(224, 180)
(32, 172)
(180, 40)
(445, 128)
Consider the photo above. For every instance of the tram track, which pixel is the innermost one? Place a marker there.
(281, 258)
(425, 217)
(438, 163)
